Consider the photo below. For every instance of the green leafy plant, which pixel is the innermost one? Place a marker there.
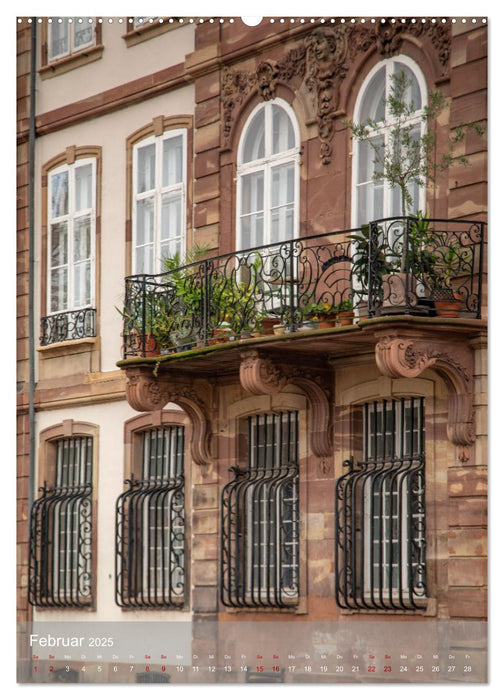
(345, 305)
(318, 310)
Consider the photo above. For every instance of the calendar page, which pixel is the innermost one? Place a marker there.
(252, 321)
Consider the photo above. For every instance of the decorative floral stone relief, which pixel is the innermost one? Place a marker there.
(322, 62)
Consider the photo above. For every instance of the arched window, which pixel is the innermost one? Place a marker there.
(376, 200)
(268, 176)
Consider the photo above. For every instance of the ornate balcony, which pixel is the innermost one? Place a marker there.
(68, 325)
(398, 266)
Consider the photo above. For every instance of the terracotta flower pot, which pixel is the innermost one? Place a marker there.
(448, 308)
(346, 318)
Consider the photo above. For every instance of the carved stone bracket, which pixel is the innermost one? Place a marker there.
(401, 356)
(147, 393)
(260, 375)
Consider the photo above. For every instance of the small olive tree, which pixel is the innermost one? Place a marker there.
(406, 157)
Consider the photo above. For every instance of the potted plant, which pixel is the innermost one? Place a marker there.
(319, 314)
(345, 312)
(139, 325)
(449, 261)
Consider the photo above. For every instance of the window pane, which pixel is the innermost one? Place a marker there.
(59, 194)
(252, 230)
(171, 216)
(369, 202)
(283, 132)
(83, 31)
(367, 157)
(82, 284)
(144, 260)
(254, 141)
(59, 289)
(59, 244)
(83, 187)
(373, 104)
(282, 184)
(172, 161)
(145, 221)
(282, 223)
(82, 238)
(58, 42)
(252, 193)
(412, 93)
(146, 168)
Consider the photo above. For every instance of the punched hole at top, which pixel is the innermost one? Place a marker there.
(251, 21)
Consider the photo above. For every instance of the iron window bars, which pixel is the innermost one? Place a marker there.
(150, 556)
(68, 325)
(60, 559)
(380, 506)
(260, 518)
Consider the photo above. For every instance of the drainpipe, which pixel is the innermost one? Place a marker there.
(31, 266)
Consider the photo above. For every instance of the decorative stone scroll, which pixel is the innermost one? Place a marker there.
(147, 393)
(260, 375)
(407, 356)
(387, 38)
(322, 61)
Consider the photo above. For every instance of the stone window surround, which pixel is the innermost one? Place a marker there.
(149, 30)
(351, 431)
(133, 429)
(68, 157)
(47, 473)
(157, 127)
(284, 401)
(49, 69)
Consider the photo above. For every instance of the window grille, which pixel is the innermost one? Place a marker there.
(380, 506)
(150, 525)
(260, 540)
(61, 530)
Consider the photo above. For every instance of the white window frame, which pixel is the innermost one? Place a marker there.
(70, 218)
(71, 36)
(157, 193)
(266, 165)
(415, 118)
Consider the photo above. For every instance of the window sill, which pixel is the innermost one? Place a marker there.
(68, 63)
(149, 31)
(68, 347)
(430, 610)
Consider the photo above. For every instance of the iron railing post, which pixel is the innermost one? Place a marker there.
(292, 323)
(480, 271)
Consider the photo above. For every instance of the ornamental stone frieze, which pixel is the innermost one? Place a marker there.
(322, 62)
(259, 375)
(408, 356)
(145, 392)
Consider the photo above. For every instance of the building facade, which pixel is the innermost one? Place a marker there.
(181, 184)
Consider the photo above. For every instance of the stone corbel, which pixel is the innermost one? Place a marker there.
(406, 356)
(260, 375)
(148, 393)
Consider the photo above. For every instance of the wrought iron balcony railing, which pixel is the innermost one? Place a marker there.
(68, 325)
(399, 265)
